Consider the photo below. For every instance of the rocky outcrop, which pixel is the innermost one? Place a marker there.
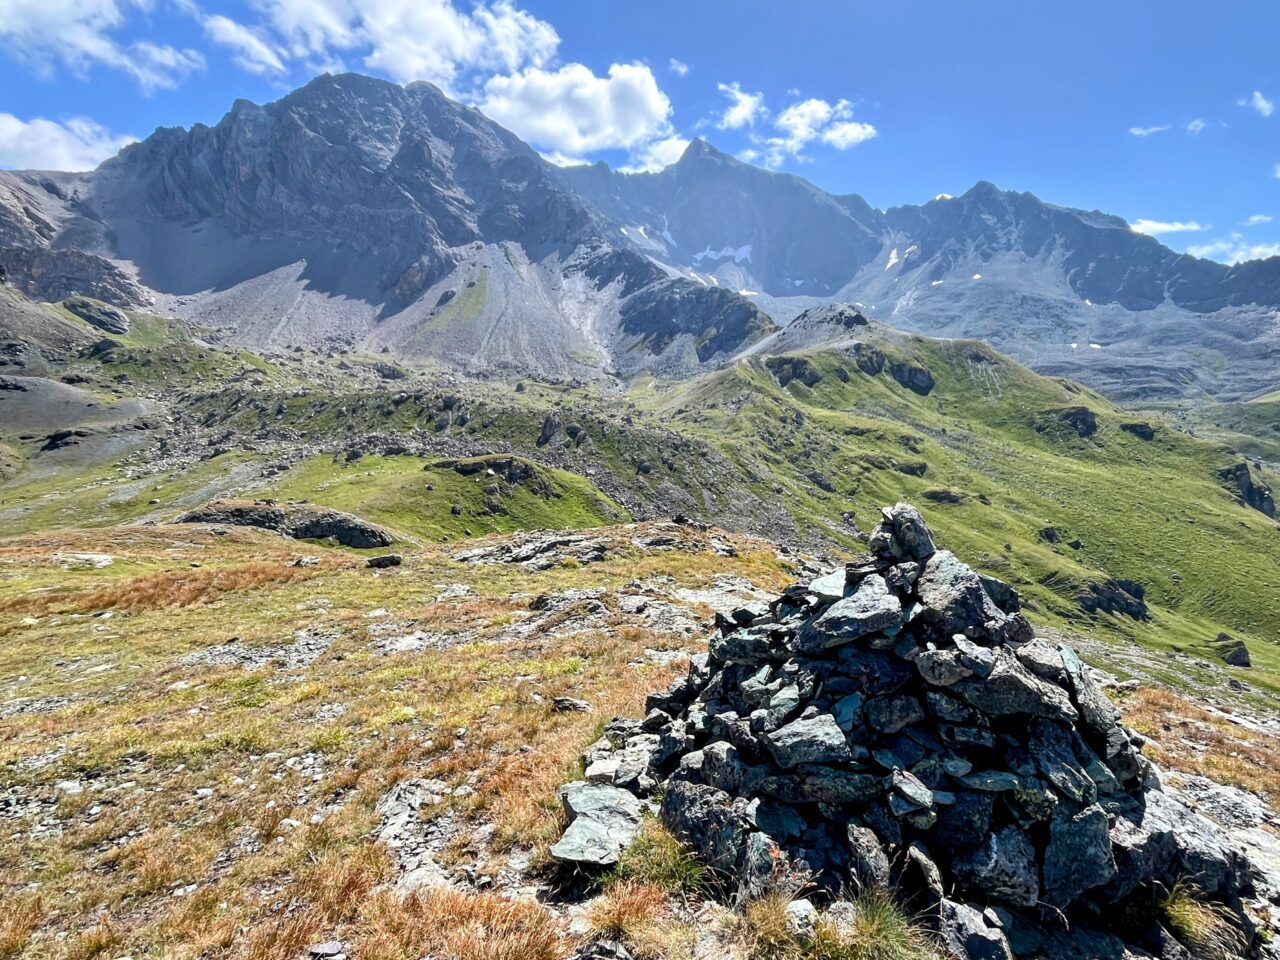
(898, 724)
(299, 521)
(106, 318)
(786, 369)
(1079, 420)
(915, 378)
(1251, 492)
(1232, 650)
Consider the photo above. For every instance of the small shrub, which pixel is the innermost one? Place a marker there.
(656, 857)
(1204, 928)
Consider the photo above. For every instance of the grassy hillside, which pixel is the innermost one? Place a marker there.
(995, 454)
(405, 495)
(991, 454)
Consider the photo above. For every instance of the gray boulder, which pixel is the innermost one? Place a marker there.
(869, 609)
(1078, 856)
(817, 739)
(1004, 868)
(971, 933)
(602, 822)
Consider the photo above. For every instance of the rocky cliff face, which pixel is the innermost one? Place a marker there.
(1071, 291)
(898, 725)
(354, 210)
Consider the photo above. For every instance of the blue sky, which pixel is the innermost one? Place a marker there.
(1167, 114)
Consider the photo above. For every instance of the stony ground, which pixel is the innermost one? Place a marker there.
(217, 742)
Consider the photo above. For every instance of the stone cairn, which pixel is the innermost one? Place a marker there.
(897, 724)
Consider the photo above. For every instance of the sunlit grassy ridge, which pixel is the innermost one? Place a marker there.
(418, 499)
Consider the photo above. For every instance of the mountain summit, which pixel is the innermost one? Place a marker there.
(357, 213)
(1069, 291)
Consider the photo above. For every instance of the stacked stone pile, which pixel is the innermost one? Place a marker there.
(898, 724)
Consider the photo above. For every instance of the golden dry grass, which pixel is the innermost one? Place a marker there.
(625, 909)
(169, 589)
(194, 833)
(453, 925)
(1188, 738)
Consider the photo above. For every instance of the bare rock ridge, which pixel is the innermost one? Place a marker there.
(898, 724)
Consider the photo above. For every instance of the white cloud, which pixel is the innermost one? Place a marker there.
(1155, 228)
(1195, 126)
(678, 67)
(808, 120)
(1257, 219)
(250, 50)
(410, 40)
(1148, 131)
(1275, 171)
(848, 134)
(743, 110)
(77, 144)
(657, 155)
(574, 112)
(1258, 102)
(76, 35)
(1234, 249)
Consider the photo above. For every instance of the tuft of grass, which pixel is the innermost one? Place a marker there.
(626, 910)
(877, 928)
(765, 932)
(656, 857)
(452, 925)
(18, 921)
(1203, 927)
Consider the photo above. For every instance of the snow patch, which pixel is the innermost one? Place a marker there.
(944, 196)
(937, 283)
(1095, 346)
(748, 293)
(738, 253)
(977, 276)
(893, 258)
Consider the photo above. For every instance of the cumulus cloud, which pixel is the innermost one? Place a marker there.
(1195, 126)
(77, 35)
(250, 50)
(743, 110)
(573, 112)
(1258, 102)
(657, 155)
(1155, 228)
(1148, 131)
(805, 121)
(678, 67)
(39, 144)
(1234, 249)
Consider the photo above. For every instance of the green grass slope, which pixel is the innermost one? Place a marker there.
(991, 454)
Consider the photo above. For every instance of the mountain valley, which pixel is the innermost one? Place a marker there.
(366, 479)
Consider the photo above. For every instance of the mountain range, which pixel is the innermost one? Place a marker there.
(355, 213)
